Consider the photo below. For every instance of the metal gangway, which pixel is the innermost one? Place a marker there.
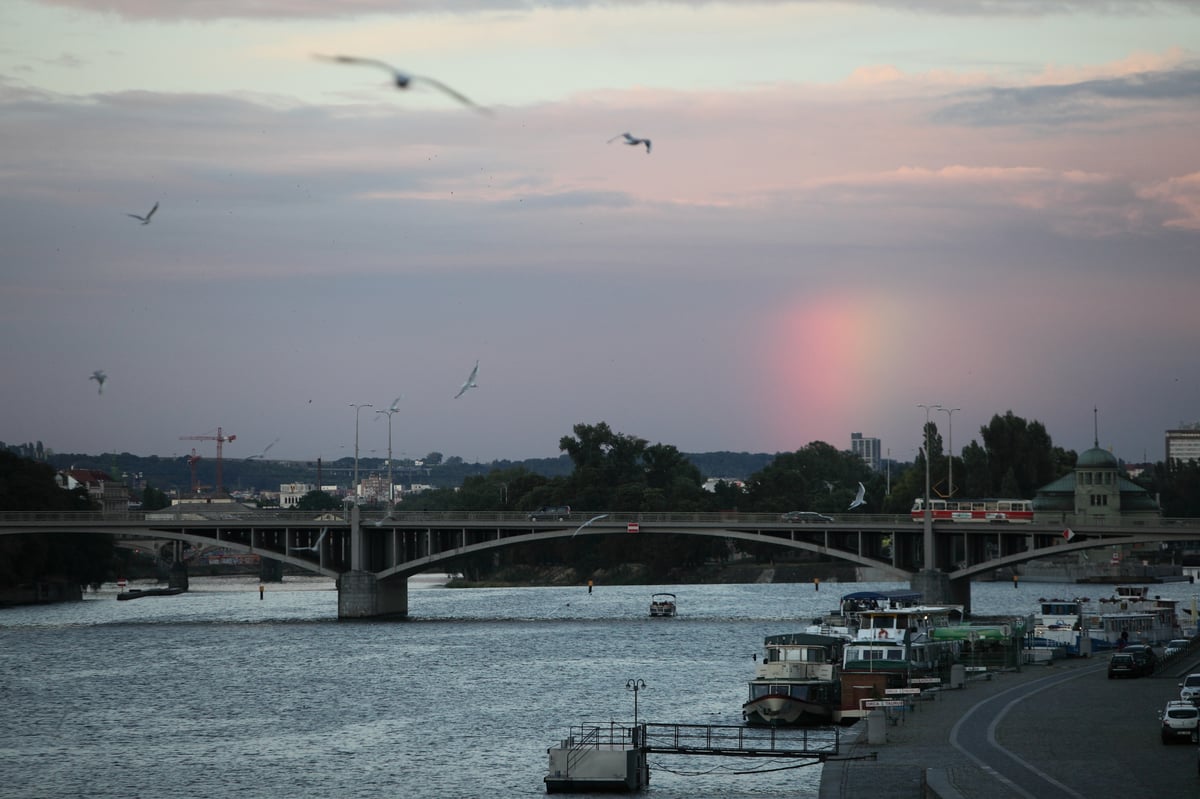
(817, 743)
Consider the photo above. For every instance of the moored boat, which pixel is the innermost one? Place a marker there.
(662, 604)
(1083, 627)
(137, 593)
(797, 682)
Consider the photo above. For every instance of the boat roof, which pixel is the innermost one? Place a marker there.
(663, 593)
(802, 639)
(888, 596)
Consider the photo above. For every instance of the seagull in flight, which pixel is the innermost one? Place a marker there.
(404, 80)
(632, 141)
(315, 547)
(145, 220)
(470, 381)
(860, 498)
(99, 377)
(589, 521)
(264, 452)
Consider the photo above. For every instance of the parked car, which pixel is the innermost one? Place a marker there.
(804, 516)
(1189, 689)
(1122, 664)
(548, 513)
(1180, 721)
(1176, 645)
(1144, 655)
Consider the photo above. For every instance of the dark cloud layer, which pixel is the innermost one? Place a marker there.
(1086, 101)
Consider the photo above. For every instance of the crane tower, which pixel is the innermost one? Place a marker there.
(220, 438)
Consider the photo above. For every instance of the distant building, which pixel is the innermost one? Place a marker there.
(1183, 444)
(868, 449)
(291, 493)
(110, 495)
(374, 488)
(1096, 491)
(710, 484)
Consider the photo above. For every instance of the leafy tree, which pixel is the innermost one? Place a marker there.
(433, 459)
(153, 499)
(1023, 450)
(316, 500)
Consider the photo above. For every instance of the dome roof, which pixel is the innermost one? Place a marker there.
(1097, 457)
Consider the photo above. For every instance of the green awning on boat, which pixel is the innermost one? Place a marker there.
(968, 633)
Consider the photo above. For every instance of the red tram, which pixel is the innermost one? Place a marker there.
(1017, 511)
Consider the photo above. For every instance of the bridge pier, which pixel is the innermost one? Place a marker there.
(362, 595)
(937, 588)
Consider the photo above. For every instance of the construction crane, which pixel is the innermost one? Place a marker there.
(220, 438)
(192, 459)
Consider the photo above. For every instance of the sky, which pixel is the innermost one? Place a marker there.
(849, 209)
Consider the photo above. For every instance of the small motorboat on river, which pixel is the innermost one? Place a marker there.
(662, 605)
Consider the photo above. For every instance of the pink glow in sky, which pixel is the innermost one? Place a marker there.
(850, 209)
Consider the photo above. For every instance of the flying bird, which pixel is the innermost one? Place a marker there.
(99, 377)
(317, 546)
(264, 452)
(145, 220)
(404, 80)
(470, 381)
(395, 406)
(632, 141)
(860, 498)
(589, 521)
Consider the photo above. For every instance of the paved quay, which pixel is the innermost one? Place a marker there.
(1057, 730)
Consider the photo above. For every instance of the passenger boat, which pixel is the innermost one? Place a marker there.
(1130, 615)
(797, 682)
(844, 621)
(662, 604)
(137, 593)
(902, 639)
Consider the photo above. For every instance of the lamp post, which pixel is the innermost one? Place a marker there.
(950, 445)
(635, 686)
(927, 516)
(357, 409)
(391, 489)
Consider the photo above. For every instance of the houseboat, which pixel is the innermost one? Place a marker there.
(797, 683)
(1129, 616)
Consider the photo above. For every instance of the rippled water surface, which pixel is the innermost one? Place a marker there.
(219, 693)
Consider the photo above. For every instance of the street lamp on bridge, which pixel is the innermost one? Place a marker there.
(357, 409)
(950, 445)
(391, 487)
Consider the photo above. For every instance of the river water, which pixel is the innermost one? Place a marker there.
(217, 692)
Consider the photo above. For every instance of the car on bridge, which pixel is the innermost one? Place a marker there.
(551, 513)
(802, 516)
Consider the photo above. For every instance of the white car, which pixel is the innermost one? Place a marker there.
(1180, 720)
(1176, 645)
(1189, 689)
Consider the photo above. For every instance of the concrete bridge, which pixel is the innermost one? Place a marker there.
(371, 556)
